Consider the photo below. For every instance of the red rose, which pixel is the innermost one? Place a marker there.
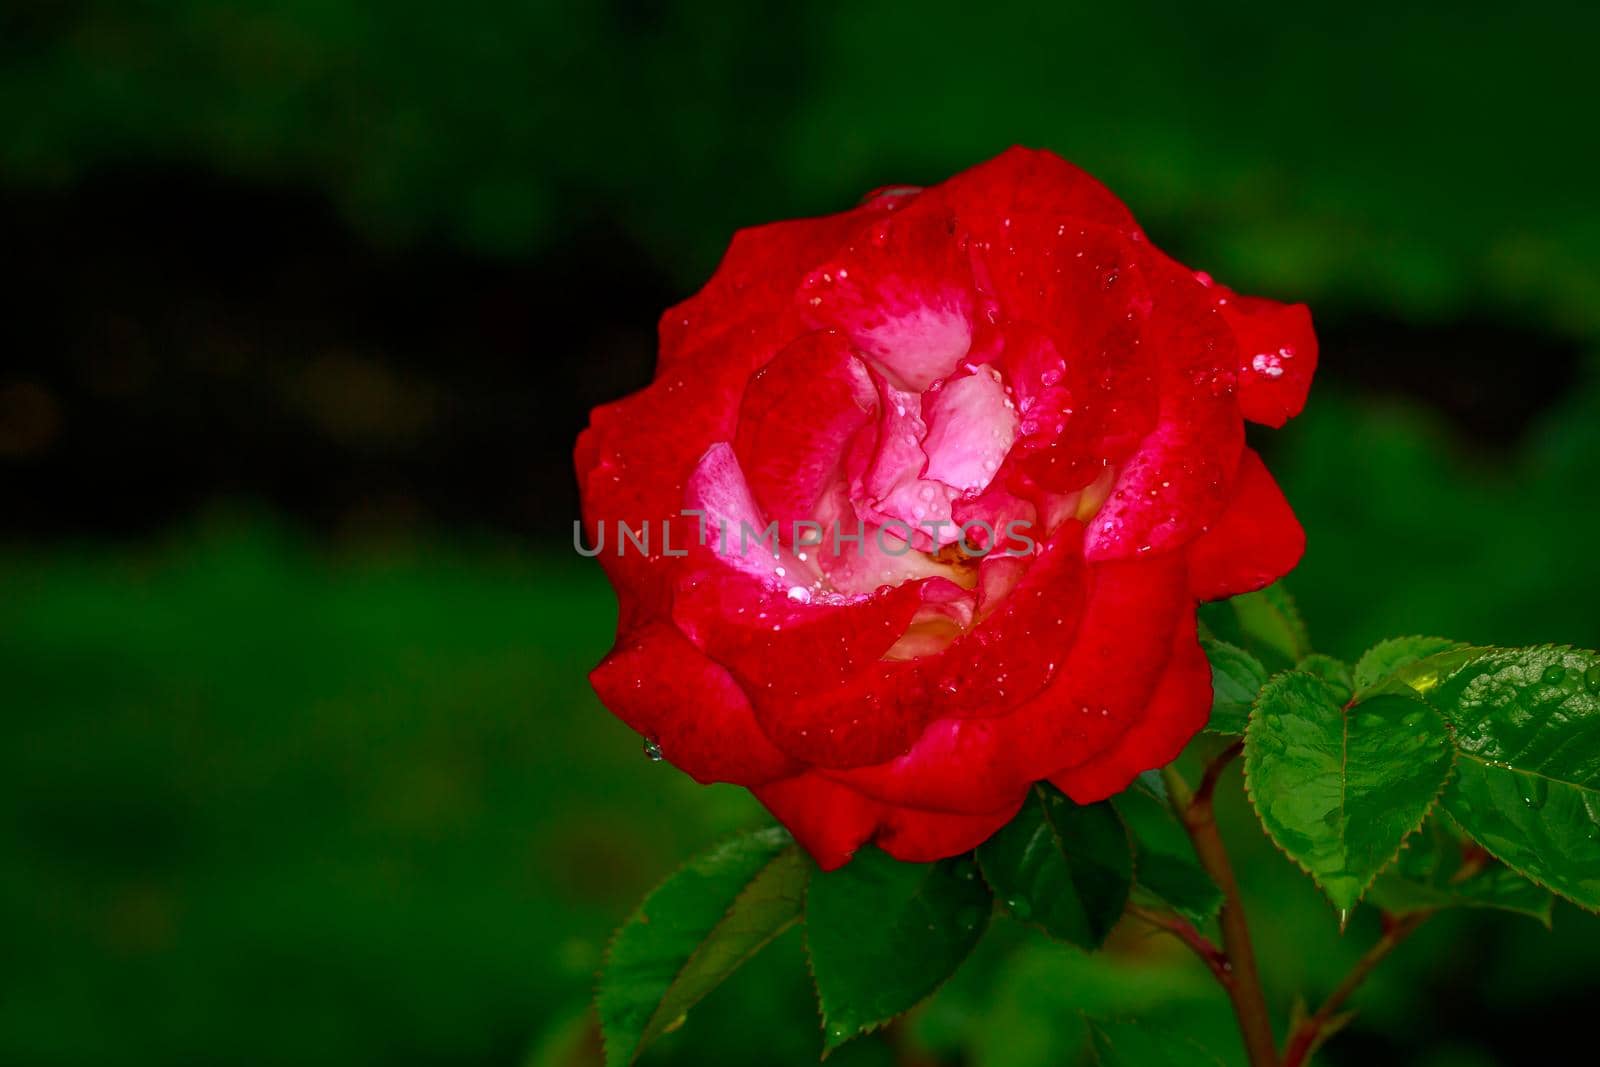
(1004, 351)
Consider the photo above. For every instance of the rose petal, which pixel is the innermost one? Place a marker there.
(832, 821)
(1026, 181)
(1256, 541)
(1102, 685)
(1277, 355)
(901, 291)
(888, 486)
(634, 462)
(1177, 711)
(815, 670)
(971, 426)
(732, 528)
(799, 415)
(1176, 483)
(859, 558)
(653, 675)
(748, 305)
(914, 836)
(829, 820)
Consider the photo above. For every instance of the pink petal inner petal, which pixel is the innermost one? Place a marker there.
(972, 424)
(733, 526)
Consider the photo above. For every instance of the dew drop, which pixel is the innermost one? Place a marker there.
(1538, 792)
(1591, 678)
(652, 749)
(1267, 364)
(1554, 675)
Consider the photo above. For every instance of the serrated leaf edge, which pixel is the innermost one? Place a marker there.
(1433, 804)
(828, 1047)
(639, 910)
(1356, 665)
(646, 1038)
(1486, 650)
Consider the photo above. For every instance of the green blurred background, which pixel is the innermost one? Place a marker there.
(308, 299)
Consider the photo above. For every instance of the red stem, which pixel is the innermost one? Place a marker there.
(1304, 1039)
(1244, 986)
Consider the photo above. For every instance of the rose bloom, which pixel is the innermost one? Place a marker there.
(1005, 351)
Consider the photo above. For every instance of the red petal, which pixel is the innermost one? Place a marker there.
(1277, 356)
(769, 639)
(914, 836)
(1029, 180)
(1101, 691)
(1171, 489)
(650, 680)
(800, 412)
(750, 298)
(957, 765)
(1102, 686)
(1177, 711)
(1255, 542)
(1019, 646)
(1175, 484)
(871, 717)
(902, 293)
(1083, 369)
(832, 821)
(634, 461)
(825, 817)
(814, 670)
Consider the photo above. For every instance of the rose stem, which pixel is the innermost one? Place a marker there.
(1305, 1036)
(1184, 930)
(1244, 988)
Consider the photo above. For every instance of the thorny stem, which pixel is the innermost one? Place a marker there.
(1305, 1036)
(1244, 985)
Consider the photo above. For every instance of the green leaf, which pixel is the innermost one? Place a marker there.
(1166, 871)
(1334, 671)
(1386, 657)
(693, 931)
(1236, 678)
(1527, 734)
(1063, 867)
(1130, 1044)
(882, 935)
(1430, 874)
(1271, 627)
(1339, 789)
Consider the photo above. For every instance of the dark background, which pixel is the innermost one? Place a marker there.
(307, 300)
